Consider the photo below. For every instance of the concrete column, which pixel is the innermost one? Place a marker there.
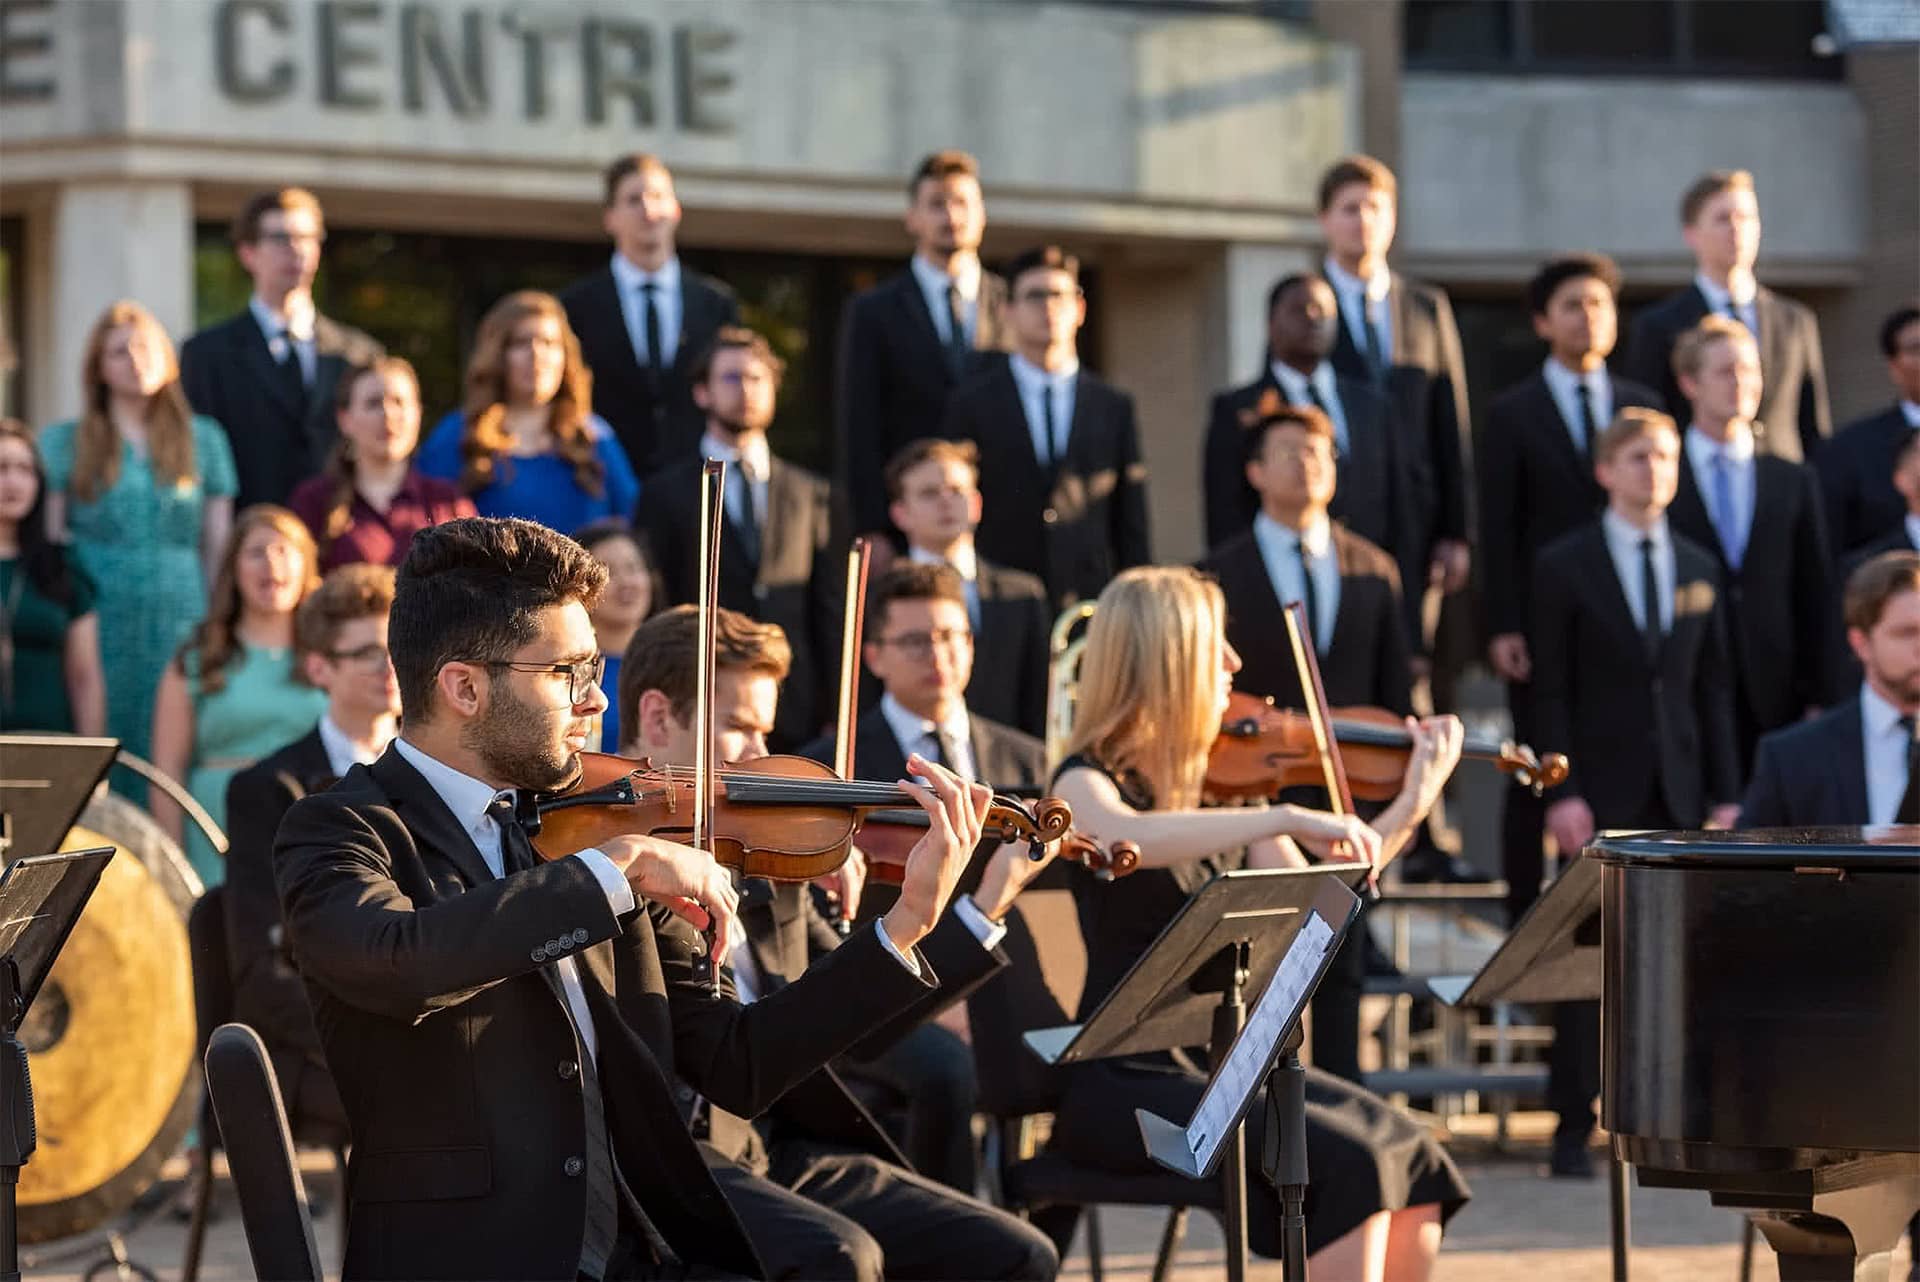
(106, 241)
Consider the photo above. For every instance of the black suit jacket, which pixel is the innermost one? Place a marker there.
(1794, 421)
(1427, 388)
(450, 1038)
(1856, 479)
(1365, 662)
(1813, 773)
(267, 991)
(1778, 605)
(653, 414)
(893, 383)
(228, 373)
(1534, 486)
(1010, 651)
(1078, 528)
(1636, 729)
(1370, 486)
(793, 581)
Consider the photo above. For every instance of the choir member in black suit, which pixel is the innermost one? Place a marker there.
(1630, 680)
(934, 490)
(645, 318)
(1720, 218)
(1536, 483)
(1062, 480)
(1857, 464)
(775, 559)
(268, 374)
(1399, 335)
(1302, 321)
(506, 1030)
(909, 341)
(1351, 589)
(1760, 517)
(1904, 537)
(340, 633)
(817, 1198)
(1855, 763)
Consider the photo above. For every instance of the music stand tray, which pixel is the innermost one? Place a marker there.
(41, 897)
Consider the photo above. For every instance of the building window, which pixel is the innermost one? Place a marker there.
(1619, 37)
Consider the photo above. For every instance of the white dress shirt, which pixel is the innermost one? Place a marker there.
(933, 288)
(1913, 530)
(1363, 301)
(754, 458)
(1280, 549)
(963, 562)
(295, 326)
(631, 279)
(1885, 743)
(915, 733)
(1704, 455)
(1564, 385)
(1743, 303)
(1032, 383)
(1911, 412)
(1293, 386)
(1623, 545)
(343, 754)
(468, 799)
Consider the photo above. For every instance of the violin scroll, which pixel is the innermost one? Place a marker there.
(1535, 773)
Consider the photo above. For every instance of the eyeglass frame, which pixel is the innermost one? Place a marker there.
(919, 645)
(573, 671)
(363, 656)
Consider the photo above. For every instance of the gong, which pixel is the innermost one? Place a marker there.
(111, 1039)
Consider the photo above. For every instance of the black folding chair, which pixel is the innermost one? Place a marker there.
(253, 1122)
(1019, 1092)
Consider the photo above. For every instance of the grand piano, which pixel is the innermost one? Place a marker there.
(1760, 1007)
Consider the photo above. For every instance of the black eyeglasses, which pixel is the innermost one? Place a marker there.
(919, 645)
(582, 676)
(371, 655)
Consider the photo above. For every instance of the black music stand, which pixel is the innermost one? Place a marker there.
(45, 781)
(1190, 989)
(41, 897)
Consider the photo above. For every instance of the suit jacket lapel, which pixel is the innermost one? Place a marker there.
(1400, 312)
(987, 336)
(1690, 515)
(428, 818)
(309, 759)
(266, 369)
(1850, 755)
(913, 303)
(1558, 431)
(1771, 340)
(878, 756)
(1610, 594)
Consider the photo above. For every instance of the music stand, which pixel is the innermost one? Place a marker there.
(45, 781)
(41, 897)
(1190, 988)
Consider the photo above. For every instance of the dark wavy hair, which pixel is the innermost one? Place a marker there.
(45, 562)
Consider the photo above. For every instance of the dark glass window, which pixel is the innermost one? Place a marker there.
(1640, 37)
(1603, 33)
(1743, 37)
(1476, 31)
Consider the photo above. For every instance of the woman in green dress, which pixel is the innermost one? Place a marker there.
(50, 675)
(234, 693)
(144, 489)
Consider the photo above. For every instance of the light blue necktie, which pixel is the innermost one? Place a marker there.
(1725, 520)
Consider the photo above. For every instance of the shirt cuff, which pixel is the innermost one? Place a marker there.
(611, 879)
(905, 959)
(985, 929)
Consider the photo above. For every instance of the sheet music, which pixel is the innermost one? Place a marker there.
(1239, 1077)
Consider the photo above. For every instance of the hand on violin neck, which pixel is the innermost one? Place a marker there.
(1431, 758)
(685, 881)
(956, 814)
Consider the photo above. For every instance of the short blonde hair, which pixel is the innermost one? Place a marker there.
(1709, 185)
(1628, 426)
(1690, 349)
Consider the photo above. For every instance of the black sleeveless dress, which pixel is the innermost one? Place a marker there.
(1363, 1155)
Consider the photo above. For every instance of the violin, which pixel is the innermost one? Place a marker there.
(886, 837)
(1263, 749)
(782, 818)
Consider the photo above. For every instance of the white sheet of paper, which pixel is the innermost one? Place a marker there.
(1237, 1078)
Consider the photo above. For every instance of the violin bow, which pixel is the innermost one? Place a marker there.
(713, 479)
(1332, 766)
(847, 715)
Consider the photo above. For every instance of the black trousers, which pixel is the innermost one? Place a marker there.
(826, 1214)
(927, 1079)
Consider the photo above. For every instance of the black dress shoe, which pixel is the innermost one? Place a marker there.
(1572, 1159)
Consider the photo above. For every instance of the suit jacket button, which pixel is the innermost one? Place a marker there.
(1049, 516)
(684, 1093)
(568, 1069)
(573, 1166)
(556, 946)
(579, 934)
(538, 954)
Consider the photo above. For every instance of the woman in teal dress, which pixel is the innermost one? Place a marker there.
(50, 675)
(234, 694)
(143, 489)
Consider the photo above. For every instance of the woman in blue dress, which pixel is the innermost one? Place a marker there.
(526, 442)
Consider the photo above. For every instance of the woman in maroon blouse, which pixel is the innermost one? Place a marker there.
(370, 501)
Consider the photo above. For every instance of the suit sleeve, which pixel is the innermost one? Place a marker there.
(275, 1002)
(962, 964)
(1713, 691)
(668, 540)
(1223, 476)
(862, 448)
(1813, 596)
(1131, 544)
(198, 379)
(1035, 667)
(1500, 562)
(1765, 805)
(1834, 466)
(1555, 626)
(1816, 418)
(1453, 430)
(353, 931)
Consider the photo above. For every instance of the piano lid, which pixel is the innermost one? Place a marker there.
(1884, 848)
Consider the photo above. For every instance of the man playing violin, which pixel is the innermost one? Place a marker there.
(505, 1032)
(816, 1199)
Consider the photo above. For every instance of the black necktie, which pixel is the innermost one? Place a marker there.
(1049, 457)
(1583, 424)
(1650, 597)
(1376, 355)
(1320, 403)
(650, 326)
(749, 521)
(957, 346)
(1908, 811)
(1307, 594)
(292, 373)
(516, 849)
